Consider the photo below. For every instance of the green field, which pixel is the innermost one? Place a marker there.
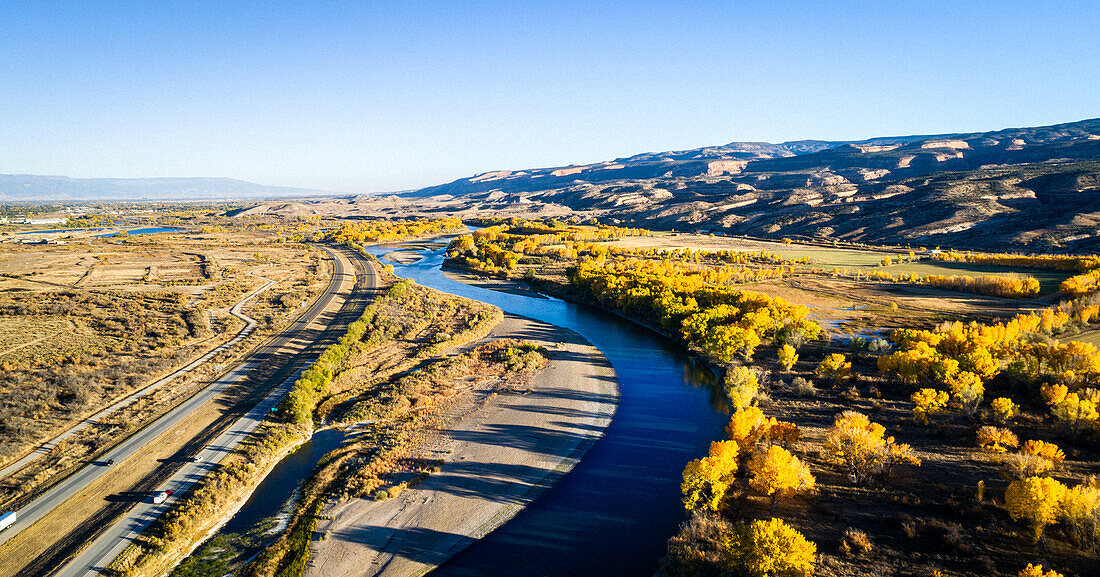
(828, 257)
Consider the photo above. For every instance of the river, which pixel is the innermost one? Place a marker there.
(614, 512)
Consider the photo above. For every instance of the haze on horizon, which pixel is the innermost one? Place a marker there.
(357, 97)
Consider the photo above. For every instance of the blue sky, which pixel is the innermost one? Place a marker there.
(360, 96)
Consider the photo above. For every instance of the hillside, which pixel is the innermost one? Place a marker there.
(1021, 188)
(31, 187)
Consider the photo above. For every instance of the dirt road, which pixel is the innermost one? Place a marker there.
(497, 459)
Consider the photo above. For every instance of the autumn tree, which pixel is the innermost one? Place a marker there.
(859, 445)
(1035, 458)
(787, 357)
(1037, 571)
(1080, 513)
(770, 548)
(966, 391)
(1044, 450)
(1077, 411)
(1036, 499)
(1003, 409)
(996, 439)
(746, 427)
(707, 480)
(928, 402)
(834, 367)
(741, 387)
(777, 473)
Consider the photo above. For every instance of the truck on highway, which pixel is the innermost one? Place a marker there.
(161, 497)
(7, 520)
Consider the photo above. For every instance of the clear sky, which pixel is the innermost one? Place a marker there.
(378, 96)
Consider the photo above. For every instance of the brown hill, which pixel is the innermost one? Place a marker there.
(1020, 189)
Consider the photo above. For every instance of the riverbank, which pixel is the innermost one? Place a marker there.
(500, 448)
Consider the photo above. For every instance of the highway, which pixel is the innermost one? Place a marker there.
(116, 536)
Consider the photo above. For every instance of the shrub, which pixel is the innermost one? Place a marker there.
(858, 445)
(741, 387)
(996, 439)
(787, 357)
(928, 402)
(835, 368)
(1004, 410)
(777, 473)
(770, 549)
(879, 345)
(707, 480)
(699, 549)
(1037, 499)
(855, 542)
(1022, 465)
(803, 387)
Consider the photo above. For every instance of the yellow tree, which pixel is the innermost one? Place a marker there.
(1037, 571)
(1004, 410)
(770, 548)
(777, 473)
(996, 439)
(966, 391)
(1081, 513)
(1077, 412)
(746, 427)
(741, 387)
(1047, 451)
(787, 357)
(707, 480)
(859, 445)
(928, 402)
(835, 368)
(1037, 499)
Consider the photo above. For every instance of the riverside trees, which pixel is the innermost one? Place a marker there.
(715, 318)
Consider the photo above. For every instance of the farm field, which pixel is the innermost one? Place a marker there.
(87, 322)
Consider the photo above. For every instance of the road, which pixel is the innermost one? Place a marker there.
(48, 446)
(138, 516)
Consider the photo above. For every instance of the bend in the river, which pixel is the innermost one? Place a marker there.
(613, 513)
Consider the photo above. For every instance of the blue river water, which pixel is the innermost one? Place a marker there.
(613, 513)
(277, 488)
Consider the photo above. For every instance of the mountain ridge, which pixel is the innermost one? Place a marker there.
(1029, 188)
(36, 187)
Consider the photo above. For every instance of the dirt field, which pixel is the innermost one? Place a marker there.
(470, 496)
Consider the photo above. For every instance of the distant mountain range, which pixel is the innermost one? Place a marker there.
(30, 187)
(1020, 188)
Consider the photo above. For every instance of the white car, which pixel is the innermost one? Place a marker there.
(161, 497)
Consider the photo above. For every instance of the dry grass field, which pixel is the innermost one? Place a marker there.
(85, 323)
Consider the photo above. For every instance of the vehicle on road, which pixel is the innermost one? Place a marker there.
(110, 462)
(7, 520)
(161, 497)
